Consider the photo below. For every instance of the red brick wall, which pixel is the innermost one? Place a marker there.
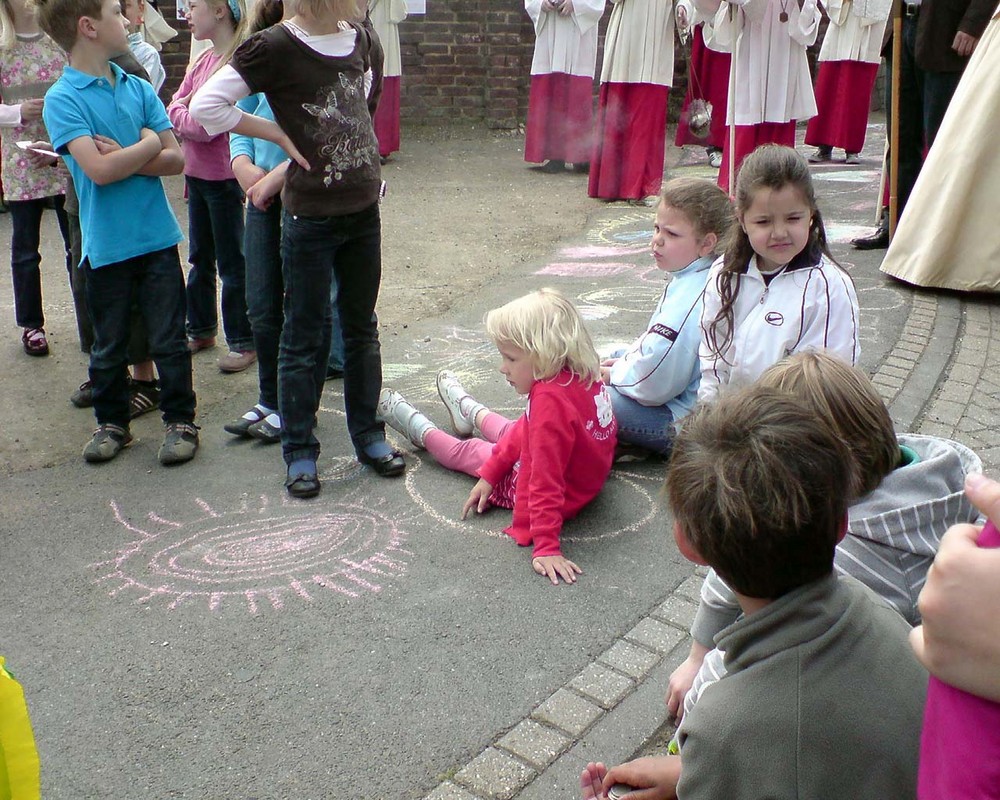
(175, 52)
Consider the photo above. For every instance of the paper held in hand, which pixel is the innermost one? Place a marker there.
(25, 145)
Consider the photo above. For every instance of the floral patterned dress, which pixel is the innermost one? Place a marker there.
(27, 70)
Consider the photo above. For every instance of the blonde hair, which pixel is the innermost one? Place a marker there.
(547, 327)
(7, 35)
(240, 29)
(61, 18)
(705, 205)
(337, 9)
(844, 397)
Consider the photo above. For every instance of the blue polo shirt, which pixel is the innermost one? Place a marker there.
(131, 217)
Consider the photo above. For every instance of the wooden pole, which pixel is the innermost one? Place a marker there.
(731, 100)
(897, 55)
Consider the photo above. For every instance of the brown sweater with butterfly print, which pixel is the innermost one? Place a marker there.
(320, 102)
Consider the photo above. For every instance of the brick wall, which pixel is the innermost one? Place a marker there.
(175, 52)
(465, 60)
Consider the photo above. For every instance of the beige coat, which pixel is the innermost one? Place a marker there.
(565, 44)
(948, 236)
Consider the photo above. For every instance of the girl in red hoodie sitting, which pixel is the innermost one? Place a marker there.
(554, 459)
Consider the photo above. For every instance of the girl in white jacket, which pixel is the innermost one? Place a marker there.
(777, 289)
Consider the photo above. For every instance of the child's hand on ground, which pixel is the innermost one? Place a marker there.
(556, 567)
(681, 680)
(105, 145)
(654, 777)
(592, 781)
(479, 498)
(31, 110)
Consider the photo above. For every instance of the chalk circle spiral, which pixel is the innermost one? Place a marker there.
(267, 554)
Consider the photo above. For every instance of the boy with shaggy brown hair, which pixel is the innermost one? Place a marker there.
(909, 491)
(822, 697)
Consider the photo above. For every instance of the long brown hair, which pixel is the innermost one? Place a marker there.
(773, 167)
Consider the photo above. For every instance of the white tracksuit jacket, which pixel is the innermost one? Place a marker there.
(810, 305)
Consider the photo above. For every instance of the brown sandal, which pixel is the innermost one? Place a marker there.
(34, 342)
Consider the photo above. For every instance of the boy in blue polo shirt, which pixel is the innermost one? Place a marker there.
(116, 139)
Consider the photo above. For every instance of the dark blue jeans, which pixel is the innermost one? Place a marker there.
(336, 359)
(156, 282)
(215, 233)
(923, 100)
(313, 250)
(265, 294)
(25, 260)
(138, 349)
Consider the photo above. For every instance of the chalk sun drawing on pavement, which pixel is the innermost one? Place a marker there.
(641, 505)
(260, 554)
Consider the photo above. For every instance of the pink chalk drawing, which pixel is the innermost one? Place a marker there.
(625, 236)
(586, 269)
(259, 554)
(601, 251)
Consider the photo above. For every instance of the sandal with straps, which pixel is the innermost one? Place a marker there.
(34, 342)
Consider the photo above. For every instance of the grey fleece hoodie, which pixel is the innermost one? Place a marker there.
(823, 700)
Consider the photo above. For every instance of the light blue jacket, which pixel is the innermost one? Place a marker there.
(261, 152)
(661, 367)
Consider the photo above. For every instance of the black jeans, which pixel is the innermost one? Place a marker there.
(215, 233)
(25, 260)
(923, 100)
(156, 282)
(313, 250)
(138, 347)
(265, 294)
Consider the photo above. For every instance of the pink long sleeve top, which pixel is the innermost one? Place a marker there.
(205, 156)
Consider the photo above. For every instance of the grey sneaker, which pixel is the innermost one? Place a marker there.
(180, 443)
(107, 441)
(84, 396)
(394, 410)
(462, 407)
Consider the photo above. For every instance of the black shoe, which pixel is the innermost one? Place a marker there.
(582, 168)
(388, 466)
(553, 166)
(265, 432)
(877, 241)
(302, 484)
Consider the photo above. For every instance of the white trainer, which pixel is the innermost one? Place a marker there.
(400, 415)
(462, 407)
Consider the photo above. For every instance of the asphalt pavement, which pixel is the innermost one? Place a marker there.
(191, 632)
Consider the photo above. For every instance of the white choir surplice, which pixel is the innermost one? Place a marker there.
(773, 83)
(565, 44)
(639, 44)
(851, 37)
